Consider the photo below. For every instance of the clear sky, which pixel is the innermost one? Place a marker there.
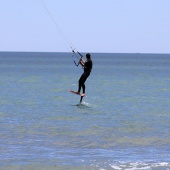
(114, 26)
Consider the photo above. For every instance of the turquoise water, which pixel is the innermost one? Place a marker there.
(123, 123)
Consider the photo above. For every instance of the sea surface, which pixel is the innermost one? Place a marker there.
(123, 122)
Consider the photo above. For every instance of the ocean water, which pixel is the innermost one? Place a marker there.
(123, 122)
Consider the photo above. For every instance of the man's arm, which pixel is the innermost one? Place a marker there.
(82, 62)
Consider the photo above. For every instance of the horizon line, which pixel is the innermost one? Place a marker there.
(82, 52)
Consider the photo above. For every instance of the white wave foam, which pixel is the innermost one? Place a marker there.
(139, 166)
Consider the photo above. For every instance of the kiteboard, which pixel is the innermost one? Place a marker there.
(74, 92)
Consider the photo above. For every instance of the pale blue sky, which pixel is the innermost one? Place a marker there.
(117, 26)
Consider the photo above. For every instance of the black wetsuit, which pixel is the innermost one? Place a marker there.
(87, 69)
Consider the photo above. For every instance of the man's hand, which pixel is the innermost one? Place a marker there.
(82, 62)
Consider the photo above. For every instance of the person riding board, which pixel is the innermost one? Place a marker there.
(87, 65)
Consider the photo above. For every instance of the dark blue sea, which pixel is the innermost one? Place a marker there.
(123, 122)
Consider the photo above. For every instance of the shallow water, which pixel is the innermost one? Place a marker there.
(123, 123)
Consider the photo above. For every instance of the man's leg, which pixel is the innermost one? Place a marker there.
(82, 80)
(80, 84)
(84, 87)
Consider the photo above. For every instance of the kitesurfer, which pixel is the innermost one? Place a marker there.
(87, 65)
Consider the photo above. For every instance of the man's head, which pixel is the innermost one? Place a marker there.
(88, 56)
